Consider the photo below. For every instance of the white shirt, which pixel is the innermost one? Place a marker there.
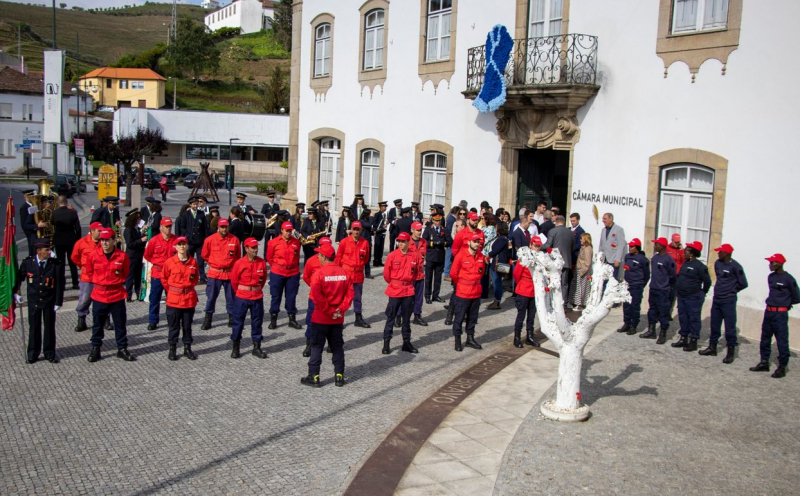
(532, 229)
(538, 218)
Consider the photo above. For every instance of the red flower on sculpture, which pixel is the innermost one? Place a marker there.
(626, 267)
(547, 289)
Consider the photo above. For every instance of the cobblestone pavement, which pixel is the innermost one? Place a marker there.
(664, 422)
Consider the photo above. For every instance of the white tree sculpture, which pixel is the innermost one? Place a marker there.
(569, 338)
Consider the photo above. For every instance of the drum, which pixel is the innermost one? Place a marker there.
(255, 226)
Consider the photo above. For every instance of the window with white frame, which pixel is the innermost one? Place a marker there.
(123, 84)
(373, 40)
(370, 176)
(322, 50)
(137, 85)
(5, 111)
(438, 36)
(545, 18)
(434, 179)
(685, 203)
(699, 15)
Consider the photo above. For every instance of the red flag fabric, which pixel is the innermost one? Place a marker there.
(8, 269)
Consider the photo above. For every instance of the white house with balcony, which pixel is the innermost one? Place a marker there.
(248, 15)
(658, 112)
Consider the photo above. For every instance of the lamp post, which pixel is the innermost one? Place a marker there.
(230, 168)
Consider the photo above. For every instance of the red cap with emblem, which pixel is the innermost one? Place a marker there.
(777, 258)
(403, 236)
(635, 242)
(326, 250)
(106, 234)
(181, 239)
(662, 241)
(166, 221)
(536, 240)
(287, 226)
(222, 222)
(472, 216)
(251, 242)
(95, 225)
(355, 224)
(725, 248)
(696, 245)
(417, 226)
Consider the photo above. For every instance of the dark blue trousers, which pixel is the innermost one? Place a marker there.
(775, 324)
(213, 286)
(632, 311)
(240, 308)
(689, 308)
(195, 251)
(402, 306)
(277, 285)
(333, 333)
(100, 312)
(526, 307)
(308, 318)
(470, 309)
(659, 308)
(156, 290)
(723, 310)
(419, 288)
(358, 289)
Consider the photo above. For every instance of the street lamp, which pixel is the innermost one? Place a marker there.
(230, 168)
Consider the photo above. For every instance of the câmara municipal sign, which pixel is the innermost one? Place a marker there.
(623, 201)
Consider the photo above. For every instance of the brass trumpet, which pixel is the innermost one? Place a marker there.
(311, 239)
(271, 220)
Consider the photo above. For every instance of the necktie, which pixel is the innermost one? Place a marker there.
(41, 266)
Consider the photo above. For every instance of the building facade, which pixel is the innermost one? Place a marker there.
(248, 15)
(120, 87)
(654, 111)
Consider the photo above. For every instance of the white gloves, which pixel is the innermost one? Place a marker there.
(55, 308)
(18, 299)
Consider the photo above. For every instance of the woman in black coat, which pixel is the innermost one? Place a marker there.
(135, 242)
(343, 226)
(366, 233)
(499, 253)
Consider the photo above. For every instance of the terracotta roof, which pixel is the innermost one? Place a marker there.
(123, 73)
(12, 81)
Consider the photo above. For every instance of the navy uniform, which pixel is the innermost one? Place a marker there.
(268, 210)
(27, 221)
(192, 225)
(109, 216)
(325, 215)
(98, 212)
(394, 215)
(403, 224)
(358, 207)
(662, 279)
(343, 226)
(310, 227)
(783, 294)
(730, 280)
(438, 240)
(416, 215)
(45, 294)
(297, 218)
(692, 285)
(366, 233)
(379, 224)
(241, 202)
(637, 273)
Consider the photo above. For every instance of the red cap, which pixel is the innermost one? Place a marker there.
(181, 239)
(472, 216)
(403, 236)
(222, 222)
(251, 242)
(417, 226)
(326, 250)
(536, 240)
(356, 224)
(325, 241)
(696, 245)
(106, 234)
(777, 258)
(662, 241)
(287, 226)
(635, 242)
(725, 248)
(166, 221)
(95, 225)
(676, 237)
(475, 237)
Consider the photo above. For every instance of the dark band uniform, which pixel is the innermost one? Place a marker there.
(692, 285)
(637, 274)
(730, 280)
(662, 279)
(192, 225)
(66, 232)
(27, 222)
(783, 294)
(438, 240)
(380, 222)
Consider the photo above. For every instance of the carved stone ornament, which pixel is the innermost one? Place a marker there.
(530, 128)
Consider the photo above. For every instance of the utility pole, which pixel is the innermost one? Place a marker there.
(55, 147)
(174, 93)
(174, 30)
(54, 25)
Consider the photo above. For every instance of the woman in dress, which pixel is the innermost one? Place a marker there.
(579, 290)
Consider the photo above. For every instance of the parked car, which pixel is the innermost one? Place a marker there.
(63, 186)
(78, 182)
(95, 182)
(189, 180)
(178, 172)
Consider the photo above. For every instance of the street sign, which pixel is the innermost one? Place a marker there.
(106, 181)
(32, 133)
(30, 151)
(30, 141)
(78, 147)
(23, 147)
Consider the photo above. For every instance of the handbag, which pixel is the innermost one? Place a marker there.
(502, 268)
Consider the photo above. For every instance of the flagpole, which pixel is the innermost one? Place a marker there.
(22, 321)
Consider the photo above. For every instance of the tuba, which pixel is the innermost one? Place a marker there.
(44, 214)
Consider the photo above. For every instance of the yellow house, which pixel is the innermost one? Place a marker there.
(120, 87)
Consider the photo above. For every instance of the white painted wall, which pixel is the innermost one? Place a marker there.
(13, 130)
(245, 14)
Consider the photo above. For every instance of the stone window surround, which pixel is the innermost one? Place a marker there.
(440, 69)
(376, 145)
(521, 25)
(321, 84)
(695, 47)
(371, 78)
(433, 146)
(315, 138)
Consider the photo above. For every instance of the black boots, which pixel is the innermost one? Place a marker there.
(386, 349)
(449, 319)
(418, 320)
(662, 336)
(779, 372)
(150, 327)
(311, 381)
(125, 355)
(235, 350)
(428, 300)
(81, 324)
(95, 354)
(207, 322)
(624, 328)
(729, 357)
(691, 345)
(631, 330)
(530, 341)
(398, 321)
(338, 380)
(307, 351)
(763, 366)
(518, 339)
(711, 350)
(173, 354)
(188, 353)
(472, 343)
(682, 342)
(650, 333)
(257, 351)
(293, 322)
(458, 344)
(408, 347)
(273, 321)
(360, 322)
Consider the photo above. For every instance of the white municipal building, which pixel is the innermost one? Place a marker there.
(675, 115)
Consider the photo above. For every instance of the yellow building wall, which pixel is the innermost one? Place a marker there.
(152, 94)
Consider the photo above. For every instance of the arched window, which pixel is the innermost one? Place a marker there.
(373, 40)
(322, 50)
(685, 203)
(434, 180)
(438, 38)
(370, 176)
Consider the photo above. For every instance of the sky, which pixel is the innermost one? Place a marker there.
(90, 4)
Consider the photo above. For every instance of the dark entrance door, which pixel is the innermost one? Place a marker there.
(543, 175)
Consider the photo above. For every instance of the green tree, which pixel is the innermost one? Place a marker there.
(275, 92)
(282, 23)
(147, 59)
(194, 49)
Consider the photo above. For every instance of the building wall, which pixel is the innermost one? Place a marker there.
(12, 130)
(152, 93)
(248, 16)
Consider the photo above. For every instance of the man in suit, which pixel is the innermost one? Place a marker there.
(548, 224)
(438, 239)
(404, 222)
(577, 230)
(268, 210)
(380, 222)
(27, 221)
(612, 243)
(562, 238)
(109, 216)
(192, 225)
(67, 232)
(394, 215)
(357, 207)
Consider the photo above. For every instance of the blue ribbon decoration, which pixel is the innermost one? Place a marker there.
(498, 50)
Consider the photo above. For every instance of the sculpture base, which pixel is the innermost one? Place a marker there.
(548, 410)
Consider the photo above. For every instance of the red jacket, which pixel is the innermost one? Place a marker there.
(310, 268)
(108, 275)
(220, 254)
(352, 257)
(400, 271)
(284, 256)
(179, 280)
(248, 278)
(80, 254)
(420, 248)
(524, 281)
(466, 273)
(677, 254)
(158, 251)
(331, 289)
(460, 241)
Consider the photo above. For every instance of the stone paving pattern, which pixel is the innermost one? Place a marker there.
(664, 421)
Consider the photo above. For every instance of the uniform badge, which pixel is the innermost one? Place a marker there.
(261, 279)
(230, 253)
(116, 272)
(191, 276)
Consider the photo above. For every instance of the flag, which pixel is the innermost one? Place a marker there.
(8, 269)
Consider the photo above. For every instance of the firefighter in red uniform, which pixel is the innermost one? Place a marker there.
(248, 277)
(332, 293)
(418, 246)
(311, 266)
(180, 276)
(524, 300)
(466, 272)
(283, 256)
(400, 271)
(220, 250)
(676, 251)
(80, 255)
(158, 250)
(107, 269)
(352, 256)
(461, 240)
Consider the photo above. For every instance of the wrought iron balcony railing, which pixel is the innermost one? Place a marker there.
(551, 60)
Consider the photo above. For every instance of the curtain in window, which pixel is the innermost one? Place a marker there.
(685, 15)
(716, 15)
(699, 222)
(556, 14)
(677, 178)
(537, 18)
(702, 180)
(428, 178)
(671, 209)
(444, 51)
(433, 38)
